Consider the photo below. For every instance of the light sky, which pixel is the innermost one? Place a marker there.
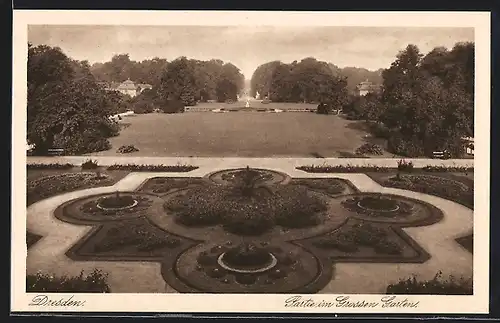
(245, 46)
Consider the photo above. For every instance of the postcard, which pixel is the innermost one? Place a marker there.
(256, 162)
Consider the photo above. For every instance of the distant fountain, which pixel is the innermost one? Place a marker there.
(247, 105)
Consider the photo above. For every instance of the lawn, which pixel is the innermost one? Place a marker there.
(239, 134)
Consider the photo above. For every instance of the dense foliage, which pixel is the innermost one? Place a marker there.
(184, 80)
(427, 102)
(435, 286)
(243, 214)
(308, 81)
(261, 79)
(66, 107)
(95, 282)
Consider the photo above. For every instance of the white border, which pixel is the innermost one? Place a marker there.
(478, 303)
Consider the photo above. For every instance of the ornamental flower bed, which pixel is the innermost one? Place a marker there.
(327, 185)
(50, 166)
(288, 206)
(137, 233)
(153, 168)
(343, 169)
(350, 238)
(48, 186)
(434, 185)
(374, 206)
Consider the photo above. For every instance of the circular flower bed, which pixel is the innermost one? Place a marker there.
(248, 267)
(117, 202)
(287, 206)
(247, 257)
(248, 175)
(378, 205)
(106, 207)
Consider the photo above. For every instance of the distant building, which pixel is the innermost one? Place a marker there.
(128, 87)
(366, 87)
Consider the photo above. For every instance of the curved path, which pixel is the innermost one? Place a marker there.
(48, 254)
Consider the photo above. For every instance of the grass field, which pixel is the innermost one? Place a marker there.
(239, 134)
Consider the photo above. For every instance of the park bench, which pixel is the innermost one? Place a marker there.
(55, 151)
(441, 154)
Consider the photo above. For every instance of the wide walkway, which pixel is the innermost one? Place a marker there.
(48, 254)
(209, 162)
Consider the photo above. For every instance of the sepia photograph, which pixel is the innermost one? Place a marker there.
(330, 165)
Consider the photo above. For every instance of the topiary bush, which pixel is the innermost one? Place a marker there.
(95, 282)
(404, 166)
(398, 145)
(435, 286)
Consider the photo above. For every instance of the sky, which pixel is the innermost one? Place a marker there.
(247, 47)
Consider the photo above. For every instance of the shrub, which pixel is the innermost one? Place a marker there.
(379, 130)
(154, 168)
(404, 166)
(173, 106)
(251, 214)
(370, 149)
(83, 143)
(142, 107)
(50, 166)
(322, 109)
(127, 149)
(90, 164)
(95, 282)
(407, 147)
(435, 286)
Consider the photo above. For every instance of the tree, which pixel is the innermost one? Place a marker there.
(429, 101)
(309, 80)
(66, 107)
(179, 83)
(230, 83)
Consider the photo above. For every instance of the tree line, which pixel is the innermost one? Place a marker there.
(426, 103)
(68, 107)
(305, 71)
(308, 81)
(187, 80)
